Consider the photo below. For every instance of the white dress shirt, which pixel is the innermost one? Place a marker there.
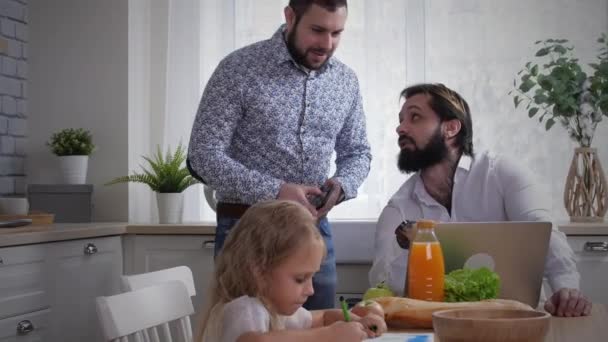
(248, 314)
(486, 188)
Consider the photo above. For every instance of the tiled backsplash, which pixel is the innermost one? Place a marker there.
(13, 96)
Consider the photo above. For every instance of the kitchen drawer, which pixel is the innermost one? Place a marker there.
(34, 327)
(352, 278)
(85, 248)
(591, 253)
(592, 245)
(23, 279)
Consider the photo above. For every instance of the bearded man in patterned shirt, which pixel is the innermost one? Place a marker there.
(269, 120)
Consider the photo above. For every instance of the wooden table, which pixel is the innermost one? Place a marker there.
(592, 328)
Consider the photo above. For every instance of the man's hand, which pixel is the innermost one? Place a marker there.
(568, 303)
(299, 193)
(332, 198)
(405, 233)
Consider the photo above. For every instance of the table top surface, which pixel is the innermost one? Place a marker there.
(593, 328)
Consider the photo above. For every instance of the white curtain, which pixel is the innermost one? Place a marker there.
(164, 89)
(373, 28)
(475, 47)
(175, 46)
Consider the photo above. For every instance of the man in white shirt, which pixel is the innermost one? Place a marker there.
(452, 184)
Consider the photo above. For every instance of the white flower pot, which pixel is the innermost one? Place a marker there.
(73, 169)
(170, 207)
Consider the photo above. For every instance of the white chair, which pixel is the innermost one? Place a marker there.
(139, 281)
(147, 314)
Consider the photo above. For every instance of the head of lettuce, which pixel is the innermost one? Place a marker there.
(470, 285)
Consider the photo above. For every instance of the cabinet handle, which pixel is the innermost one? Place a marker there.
(90, 249)
(596, 246)
(1, 261)
(24, 327)
(209, 244)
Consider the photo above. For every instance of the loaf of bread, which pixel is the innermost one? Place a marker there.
(412, 313)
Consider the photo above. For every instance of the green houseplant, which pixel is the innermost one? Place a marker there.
(71, 141)
(555, 88)
(168, 177)
(72, 146)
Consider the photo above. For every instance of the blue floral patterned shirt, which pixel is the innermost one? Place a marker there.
(263, 121)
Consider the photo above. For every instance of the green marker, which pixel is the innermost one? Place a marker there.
(344, 309)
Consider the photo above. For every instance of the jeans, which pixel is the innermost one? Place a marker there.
(323, 282)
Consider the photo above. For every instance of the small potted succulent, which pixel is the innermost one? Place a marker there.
(72, 146)
(168, 177)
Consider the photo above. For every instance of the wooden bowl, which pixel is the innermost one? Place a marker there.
(490, 325)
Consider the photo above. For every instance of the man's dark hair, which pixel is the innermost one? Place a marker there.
(449, 105)
(301, 6)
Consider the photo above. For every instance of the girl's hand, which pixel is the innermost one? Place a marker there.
(347, 332)
(374, 325)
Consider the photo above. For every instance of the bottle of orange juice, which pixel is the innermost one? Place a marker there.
(426, 269)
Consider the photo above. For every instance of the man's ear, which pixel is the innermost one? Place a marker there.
(290, 17)
(451, 128)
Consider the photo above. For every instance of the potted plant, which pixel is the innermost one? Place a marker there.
(168, 177)
(556, 89)
(73, 147)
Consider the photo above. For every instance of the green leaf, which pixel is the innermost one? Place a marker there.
(532, 111)
(516, 101)
(534, 70)
(560, 49)
(526, 86)
(167, 175)
(549, 124)
(471, 285)
(538, 42)
(540, 98)
(542, 52)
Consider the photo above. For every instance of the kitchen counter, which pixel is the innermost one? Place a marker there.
(583, 228)
(73, 231)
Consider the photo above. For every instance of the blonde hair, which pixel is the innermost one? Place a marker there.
(264, 237)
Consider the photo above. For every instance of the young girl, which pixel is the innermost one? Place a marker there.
(264, 275)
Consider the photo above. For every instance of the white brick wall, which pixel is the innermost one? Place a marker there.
(13, 96)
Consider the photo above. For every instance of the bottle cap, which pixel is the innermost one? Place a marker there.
(422, 224)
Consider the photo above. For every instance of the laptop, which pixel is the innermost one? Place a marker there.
(516, 251)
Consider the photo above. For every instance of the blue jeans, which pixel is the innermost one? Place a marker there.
(323, 282)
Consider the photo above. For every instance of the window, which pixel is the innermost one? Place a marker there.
(373, 44)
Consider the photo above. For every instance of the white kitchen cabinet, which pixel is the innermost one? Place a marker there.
(146, 253)
(23, 280)
(59, 277)
(352, 282)
(24, 294)
(591, 254)
(31, 327)
(82, 270)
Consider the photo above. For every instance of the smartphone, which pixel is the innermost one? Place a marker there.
(319, 201)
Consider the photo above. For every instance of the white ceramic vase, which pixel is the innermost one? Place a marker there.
(73, 169)
(170, 207)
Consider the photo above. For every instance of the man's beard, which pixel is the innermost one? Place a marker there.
(434, 152)
(300, 57)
